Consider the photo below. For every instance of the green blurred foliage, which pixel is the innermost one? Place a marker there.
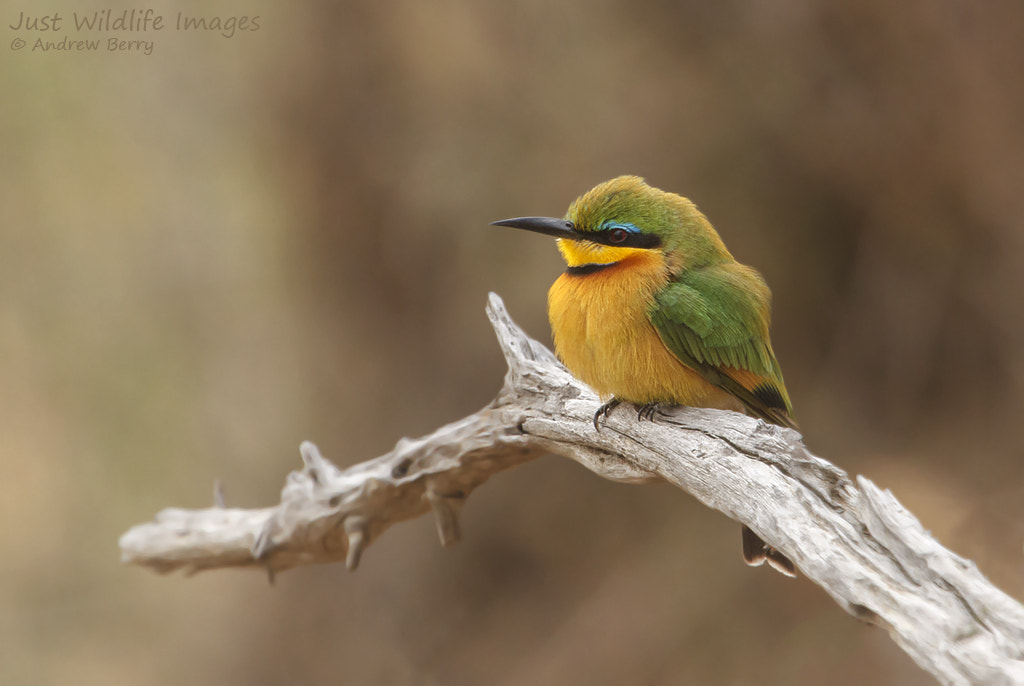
(217, 250)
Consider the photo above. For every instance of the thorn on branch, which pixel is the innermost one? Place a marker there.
(261, 546)
(315, 463)
(355, 529)
(446, 514)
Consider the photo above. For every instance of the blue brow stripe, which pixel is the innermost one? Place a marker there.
(632, 228)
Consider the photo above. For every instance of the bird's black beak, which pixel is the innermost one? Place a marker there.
(549, 226)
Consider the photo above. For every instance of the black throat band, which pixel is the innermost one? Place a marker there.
(584, 269)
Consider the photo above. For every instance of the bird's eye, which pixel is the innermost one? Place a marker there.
(617, 235)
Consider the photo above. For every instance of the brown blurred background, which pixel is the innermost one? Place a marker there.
(213, 252)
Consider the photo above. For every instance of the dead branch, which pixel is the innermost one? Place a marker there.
(850, 537)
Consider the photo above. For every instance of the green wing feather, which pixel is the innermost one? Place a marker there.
(717, 317)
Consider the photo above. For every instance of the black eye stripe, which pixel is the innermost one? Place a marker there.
(614, 238)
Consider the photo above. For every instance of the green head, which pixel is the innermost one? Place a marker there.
(618, 218)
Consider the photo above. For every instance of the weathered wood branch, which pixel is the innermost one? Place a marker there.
(848, 536)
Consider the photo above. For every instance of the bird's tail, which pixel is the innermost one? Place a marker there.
(756, 552)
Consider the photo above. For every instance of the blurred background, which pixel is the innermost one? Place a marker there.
(215, 251)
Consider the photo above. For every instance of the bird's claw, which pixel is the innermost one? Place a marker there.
(603, 411)
(646, 411)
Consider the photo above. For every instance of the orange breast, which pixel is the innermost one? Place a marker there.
(604, 336)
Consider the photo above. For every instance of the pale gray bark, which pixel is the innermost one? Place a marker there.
(848, 536)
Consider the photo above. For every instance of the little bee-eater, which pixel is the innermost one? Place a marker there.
(653, 309)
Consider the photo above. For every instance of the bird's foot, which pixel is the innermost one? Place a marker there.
(603, 411)
(646, 411)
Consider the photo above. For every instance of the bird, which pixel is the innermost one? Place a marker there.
(652, 309)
